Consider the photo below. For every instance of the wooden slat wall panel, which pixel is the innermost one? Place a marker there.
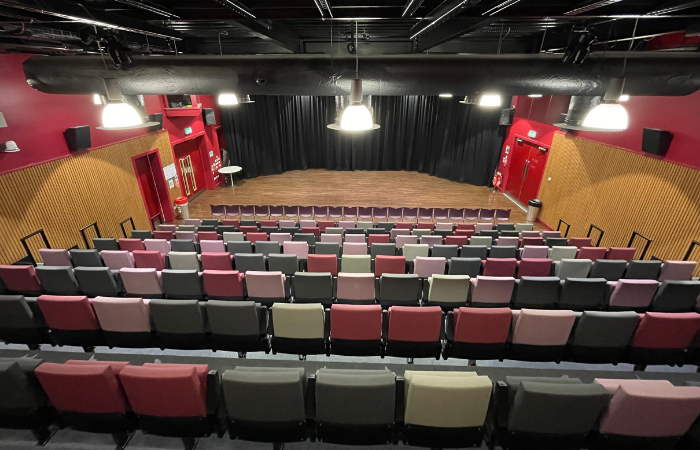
(65, 195)
(621, 192)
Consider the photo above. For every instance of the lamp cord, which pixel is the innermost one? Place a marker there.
(629, 49)
(357, 56)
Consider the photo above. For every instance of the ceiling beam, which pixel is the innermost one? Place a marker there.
(674, 8)
(271, 31)
(443, 12)
(591, 7)
(78, 12)
(411, 7)
(453, 28)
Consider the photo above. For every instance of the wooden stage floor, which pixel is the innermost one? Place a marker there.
(318, 187)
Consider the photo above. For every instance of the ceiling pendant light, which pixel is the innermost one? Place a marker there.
(97, 99)
(227, 99)
(246, 99)
(490, 100)
(117, 113)
(609, 115)
(535, 95)
(468, 100)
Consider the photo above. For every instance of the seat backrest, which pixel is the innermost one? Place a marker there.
(327, 248)
(323, 263)
(280, 237)
(18, 387)
(96, 281)
(583, 293)
(666, 330)
(131, 244)
(351, 248)
(300, 249)
(58, 280)
(241, 318)
(448, 289)
(573, 268)
(487, 289)
(474, 251)
(676, 296)
(400, 289)
(402, 240)
(63, 312)
(445, 251)
(537, 292)
(298, 320)
(313, 287)
(331, 239)
(158, 245)
(610, 269)
(592, 253)
(534, 267)
(367, 397)
(117, 259)
(482, 325)
(389, 264)
(86, 258)
(149, 259)
(384, 249)
(16, 313)
(55, 257)
(234, 247)
(142, 234)
(101, 244)
(410, 324)
(411, 251)
(426, 267)
(398, 232)
(481, 240)
(537, 251)
(500, 267)
(557, 242)
(240, 236)
(463, 400)
(355, 286)
(378, 239)
(162, 235)
(677, 270)
(580, 242)
(558, 253)
(20, 279)
(431, 240)
(643, 270)
(211, 246)
(287, 264)
(605, 329)
(182, 245)
(183, 260)
(356, 322)
(633, 293)
(216, 261)
(124, 315)
(523, 227)
(456, 240)
(223, 284)
(255, 237)
(78, 388)
(464, 266)
(246, 262)
(356, 263)
(141, 282)
(185, 235)
(508, 241)
(265, 284)
(177, 316)
(626, 253)
(185, 284)
(166, 390)
(543, 327)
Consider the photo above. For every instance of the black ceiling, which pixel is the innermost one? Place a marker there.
(307, 26)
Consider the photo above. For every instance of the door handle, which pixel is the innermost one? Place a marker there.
(522, 176)
(527, 169)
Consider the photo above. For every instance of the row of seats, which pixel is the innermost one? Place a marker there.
(360, 330)
(353, 407)
(361, 212)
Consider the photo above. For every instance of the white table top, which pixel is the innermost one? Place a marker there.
(230, 169)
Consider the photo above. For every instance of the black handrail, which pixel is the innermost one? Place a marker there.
(26, 247)
(600, 236)
(121, 224)
(646, 246)
(153, 224)
(568, 225)
(85, 239)
(690, 250)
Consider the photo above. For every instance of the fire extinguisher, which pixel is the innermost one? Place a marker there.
(497, 179)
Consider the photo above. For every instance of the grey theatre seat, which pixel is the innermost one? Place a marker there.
(505, 227)
(269, 230)
(249, 223)
(382, 249)
(179, 324)
(234, 247)
(19, 323)
(211, 222)
(86, 258)
(355, 231)
(221, 229)
(182, 245)
(474, 251)
(556, 241)
(249, 261)
(610, 269)
(287, 264)
(602, 336)
(327, 248)
(316, 287)
(582, 293)
(643, 270)
(105, 244)
(676, 296)
(376, 231)
(399, 289)
(23, 403)
(182, 284)
(445, 251)
(206, 228)
(290, 230)
(58, 280)
(503, 251)
(387, 226)
(537, 292)
(141, 234)
(309, 238)
(355, 406)
(239, 326)
(464, 266)
(98, 281)
(267, 247)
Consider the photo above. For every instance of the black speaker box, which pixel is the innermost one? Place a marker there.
(78, 138)
(656, 141)
(157, 117)
(506, 117)
(209, 117)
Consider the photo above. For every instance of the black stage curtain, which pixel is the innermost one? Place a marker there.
(441, 137)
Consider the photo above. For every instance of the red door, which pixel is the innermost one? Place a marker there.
(526, 170)
(516, 172)
(156, 199)
(189, 165)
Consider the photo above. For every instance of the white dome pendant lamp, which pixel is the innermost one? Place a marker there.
(609, 115)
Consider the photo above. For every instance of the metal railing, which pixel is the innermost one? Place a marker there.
(26, 246)
(153, 222)
(646, 246)
(690, 250)
(121, 225)
(600, 236)
(84, 235)
(568, 225)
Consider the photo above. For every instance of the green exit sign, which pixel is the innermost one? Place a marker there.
(188, 130)
(532, 134)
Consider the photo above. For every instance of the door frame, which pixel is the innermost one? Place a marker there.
(534, 143)
(161, 185)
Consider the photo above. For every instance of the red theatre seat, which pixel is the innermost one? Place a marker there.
(389, 264)
(356, 330)
(323, 263)
(415, 332)
(316, 231)
(377, 239)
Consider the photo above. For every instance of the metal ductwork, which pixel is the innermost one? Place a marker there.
(646, 73)
(579, 107)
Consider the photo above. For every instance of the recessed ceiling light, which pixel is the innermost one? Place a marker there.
(535, 95)
(624, 98)
(490, 100)
(446, 95)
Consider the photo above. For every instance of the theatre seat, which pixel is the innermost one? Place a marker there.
(183, 260)
(266, 404)
(58, 280)
(183, 245)
(101, 244)
(158, 245)
(592, 253)
(23, 402)
(300, 249)
(212, 246)
(624, 253)
(141, 234)
(174, 400)
(662, 338)
(477, 333)
(456, 240)
(55, 257)
(500, 267)
(182, 284)
(541, 335)
(491, 291)
(98, 281)
(298, 328)
(86, 258)
(356, 288)
(89, 397)
(71, 319)
(643, 270)
(217, 261)
(677, 270)
(352, 248)
(601, 337)
(580, 242)
(382, 249)
(178, 323)
(144, 283)
(125, 322)
(534, 267)
(234, 247)
(328, 247)
(267, 247)
(266, 287)
(355, 407)
(130, 245)
(316, 287)
(464, 266)
(144, 259)
(426, 267)
(448, 291)
(356, 330)
(411, 251)
(542, 251)
(399, 290)
(445, 251)
(389, 264)
(246, 262)
(355, 263)
(633, 295)
(581, 294)
(572, 268)
(238, 326)
(414, 332)
(21, 324)
(676, 296)
(537, 292)
(458, 421)
(610, 269)
(223, 284)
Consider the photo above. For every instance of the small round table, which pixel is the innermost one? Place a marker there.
(232, 171)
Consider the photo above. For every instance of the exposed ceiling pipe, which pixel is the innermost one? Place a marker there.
(411, 7)
(150, 7)
(591, 7)
(500, 7)
(648, 73)
(444, 11)
(674, 8)
(239, 8)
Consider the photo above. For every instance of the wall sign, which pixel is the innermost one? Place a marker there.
(188, 130)
(532, 134)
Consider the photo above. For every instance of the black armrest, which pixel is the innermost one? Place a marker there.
(270, 325)
(213, 392)
(501, 404)
(311, 397)
(400, 404)
(385, 325)
(263, 320)
(335, 287)
(327, 324)
(442, 327)
(450, 326)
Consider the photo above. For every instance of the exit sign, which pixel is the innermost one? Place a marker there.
(532, 134)
(188, 130)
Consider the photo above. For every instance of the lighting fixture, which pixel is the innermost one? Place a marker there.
(117, 113)
(96, 99)
(468, 101)
(246, 99)
(490, 100)
(227, 99)
(624, 98)
(10, 147)
(609, 115)
(535, 95)
(445, 95)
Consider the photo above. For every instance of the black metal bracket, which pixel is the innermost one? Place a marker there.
(568, 225)
(84, 236)
(26, 247)
(600, 236)
(153, 222)
(646, 246)
(690, 250)
(121, 225)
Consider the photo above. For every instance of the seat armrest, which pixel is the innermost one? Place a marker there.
(400, 403)
(327, 324)
(501, 405)
(263, 320)
(385, 325)
(449, 326)
(213, 392)
(270, 325)
(311, 397)
(442, 327)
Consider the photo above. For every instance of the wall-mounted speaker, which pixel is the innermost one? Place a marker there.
(656, 141)
(78, 138)
(157, 117)
(506, 117)
(209, 117)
